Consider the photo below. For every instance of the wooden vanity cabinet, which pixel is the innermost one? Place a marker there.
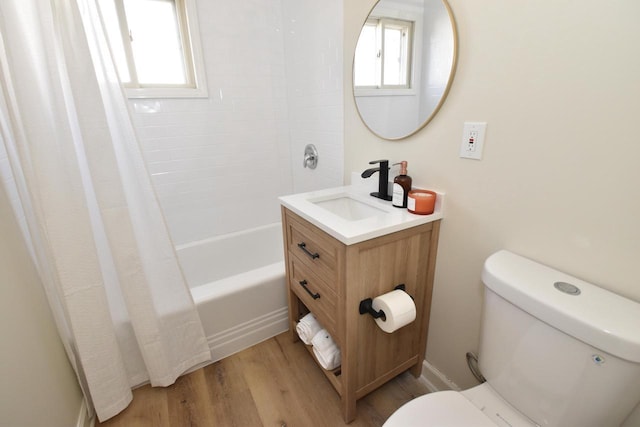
(330, 279)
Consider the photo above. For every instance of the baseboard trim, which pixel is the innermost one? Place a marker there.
(247, 334)
(435, 380)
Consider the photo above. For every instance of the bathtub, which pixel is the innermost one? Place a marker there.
(238, 284)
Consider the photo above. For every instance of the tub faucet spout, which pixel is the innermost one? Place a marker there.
(383, 178)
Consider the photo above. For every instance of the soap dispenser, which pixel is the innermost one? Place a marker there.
(401, 187)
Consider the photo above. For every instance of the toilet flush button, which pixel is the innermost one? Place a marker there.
(567, 288)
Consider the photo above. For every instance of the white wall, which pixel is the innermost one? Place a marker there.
(219, 163)
(558, 84)
(39, 388)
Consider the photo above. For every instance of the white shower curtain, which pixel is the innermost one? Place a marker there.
(95, 228)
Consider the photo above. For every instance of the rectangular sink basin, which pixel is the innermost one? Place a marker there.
(350, 209)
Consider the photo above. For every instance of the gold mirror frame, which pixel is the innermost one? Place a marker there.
(443, 97)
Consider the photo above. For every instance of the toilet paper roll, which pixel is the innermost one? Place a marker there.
(398, 308)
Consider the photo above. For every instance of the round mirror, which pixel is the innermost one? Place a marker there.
(403, 65)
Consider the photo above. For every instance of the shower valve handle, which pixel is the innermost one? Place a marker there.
(310, 159)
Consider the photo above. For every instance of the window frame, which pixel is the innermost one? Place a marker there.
(381, 88)
(189, 31)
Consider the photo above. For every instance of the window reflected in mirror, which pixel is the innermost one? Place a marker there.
(383, 54)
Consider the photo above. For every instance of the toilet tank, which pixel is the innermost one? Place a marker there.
(562, 359)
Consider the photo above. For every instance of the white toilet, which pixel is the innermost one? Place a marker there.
(556, 351)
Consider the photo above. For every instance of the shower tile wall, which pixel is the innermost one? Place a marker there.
(313, 46)
(219, 163)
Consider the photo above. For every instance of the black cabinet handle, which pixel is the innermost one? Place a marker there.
(304, 285)
(303, 246)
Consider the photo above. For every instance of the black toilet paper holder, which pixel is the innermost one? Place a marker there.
(366, 305)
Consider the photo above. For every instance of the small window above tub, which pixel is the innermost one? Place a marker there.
(155, 46)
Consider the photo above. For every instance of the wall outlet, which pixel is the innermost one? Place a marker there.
(473, 140)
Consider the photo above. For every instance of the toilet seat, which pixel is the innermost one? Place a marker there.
(441, 409)
(479, 406)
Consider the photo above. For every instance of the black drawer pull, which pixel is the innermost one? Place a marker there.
(313, 255)
(304, 285)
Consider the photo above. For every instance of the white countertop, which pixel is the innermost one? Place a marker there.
(389, 220)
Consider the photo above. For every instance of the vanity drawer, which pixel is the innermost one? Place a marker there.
(314, 247)
(314, 294)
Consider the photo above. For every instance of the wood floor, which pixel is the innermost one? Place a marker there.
(273, 384)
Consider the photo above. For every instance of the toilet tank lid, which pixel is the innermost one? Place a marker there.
(596, 316)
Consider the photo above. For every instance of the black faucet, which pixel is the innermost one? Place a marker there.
(383, 186)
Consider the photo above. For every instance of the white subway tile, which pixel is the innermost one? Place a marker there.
(273, 87)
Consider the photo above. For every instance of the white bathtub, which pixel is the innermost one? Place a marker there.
(238, 284)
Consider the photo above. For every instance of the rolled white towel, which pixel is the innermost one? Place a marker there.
(307, 328)
(323, 341)
(326, 350)
(328, 361)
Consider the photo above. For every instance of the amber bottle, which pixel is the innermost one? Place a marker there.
(401, 187)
